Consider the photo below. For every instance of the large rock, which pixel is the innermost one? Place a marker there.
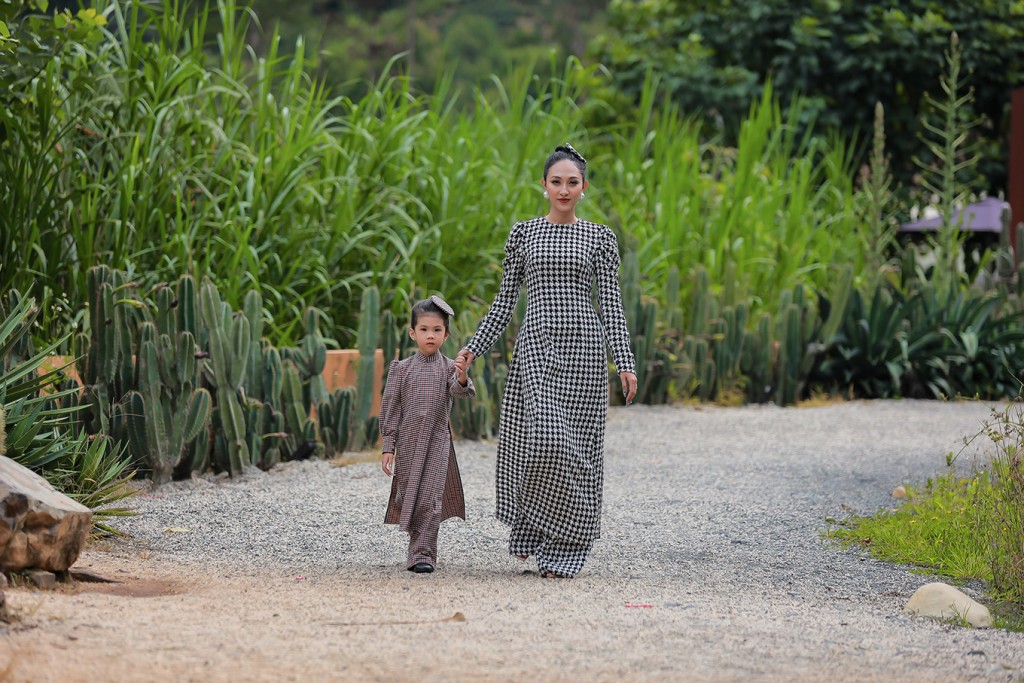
(39, 526)
(942, 601)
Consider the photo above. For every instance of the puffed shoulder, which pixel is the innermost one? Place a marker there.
(398, 368)
(608, 247)
(515, 238)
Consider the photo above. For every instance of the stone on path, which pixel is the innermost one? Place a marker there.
(40, 528)
(43, 580)
(942, 601)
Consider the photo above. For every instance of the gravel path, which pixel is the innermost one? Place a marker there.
(711, 565)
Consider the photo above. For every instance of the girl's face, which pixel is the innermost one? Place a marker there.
(564, 184)
(428, 333)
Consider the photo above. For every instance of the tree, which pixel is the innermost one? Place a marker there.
(842, 55)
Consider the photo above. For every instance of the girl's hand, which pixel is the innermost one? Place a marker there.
(463, 360)
(629, 384)
(461, 376)
(387, 463)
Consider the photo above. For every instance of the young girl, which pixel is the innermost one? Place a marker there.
(416, 437)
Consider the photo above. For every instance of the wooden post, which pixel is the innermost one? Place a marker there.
(1016, 180)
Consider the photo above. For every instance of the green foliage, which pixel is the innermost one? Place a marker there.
(1003, 522)
(97, 475)
(952, 158)
(161, 152)
(443, 43)
(877, 208)
(37, 423)
(935, 528)
(714, 59)
(924, 344)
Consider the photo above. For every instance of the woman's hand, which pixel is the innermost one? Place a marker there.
(463, 360)
(387, 463)
(628, 380)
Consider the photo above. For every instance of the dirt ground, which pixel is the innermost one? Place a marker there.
(711, 567)
(172, 623)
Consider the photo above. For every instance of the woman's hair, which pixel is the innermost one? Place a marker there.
(566, 151)
(428, 307)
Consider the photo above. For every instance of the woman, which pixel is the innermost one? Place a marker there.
(550, 470)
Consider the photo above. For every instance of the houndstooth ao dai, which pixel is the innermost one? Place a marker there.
(550, 466)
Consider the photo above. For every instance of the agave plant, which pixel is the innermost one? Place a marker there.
(40, 422)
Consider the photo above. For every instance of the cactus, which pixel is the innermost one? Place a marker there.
(145, 385)
(273, 434)
(314, 359)
(296, 422)
(187, 310)
(167, 411)
(368, 334)
(252, 307)
(757, 360)
(391, 335)
(333, 415)
(271, 375)
(230, 343)
(703, 306)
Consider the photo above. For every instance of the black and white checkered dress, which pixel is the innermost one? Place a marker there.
(550, 469)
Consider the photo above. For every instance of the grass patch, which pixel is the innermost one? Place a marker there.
(960, 527)
(935, 529)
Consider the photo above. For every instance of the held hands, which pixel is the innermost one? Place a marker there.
(387, 463)
(463, 360)
(629, 384)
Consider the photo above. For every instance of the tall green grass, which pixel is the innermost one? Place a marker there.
(163, 147)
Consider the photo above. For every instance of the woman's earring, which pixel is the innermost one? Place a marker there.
(582, 195)
(546, 195)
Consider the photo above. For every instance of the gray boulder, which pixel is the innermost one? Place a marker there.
(39, 526)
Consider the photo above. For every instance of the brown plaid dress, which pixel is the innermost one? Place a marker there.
(414, 425)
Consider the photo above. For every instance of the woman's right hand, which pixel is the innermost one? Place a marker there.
(464, 359)
(387, 463)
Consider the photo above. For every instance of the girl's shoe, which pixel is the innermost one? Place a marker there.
(422, 568)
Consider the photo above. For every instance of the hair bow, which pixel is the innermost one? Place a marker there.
(572, 150)
(442, 304)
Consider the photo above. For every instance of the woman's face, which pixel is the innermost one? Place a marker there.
(564, 185)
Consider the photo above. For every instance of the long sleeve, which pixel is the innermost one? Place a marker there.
(390, 409)
(610, 298)
(500, 312)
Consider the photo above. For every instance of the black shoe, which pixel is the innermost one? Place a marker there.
(422, 568)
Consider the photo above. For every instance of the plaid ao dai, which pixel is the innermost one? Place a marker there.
(550, 468)
(414, 425)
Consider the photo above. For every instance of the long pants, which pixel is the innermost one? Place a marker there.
(423, 528)
(562, 557)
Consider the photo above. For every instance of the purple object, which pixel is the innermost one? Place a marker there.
(983, 216)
